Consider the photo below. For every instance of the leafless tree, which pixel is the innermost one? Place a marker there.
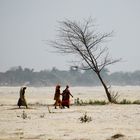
(82, 40)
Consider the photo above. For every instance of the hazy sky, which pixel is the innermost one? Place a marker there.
(25, 23)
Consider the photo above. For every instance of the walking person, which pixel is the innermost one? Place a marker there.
(66, 97)
(22, 100)
(57, 97)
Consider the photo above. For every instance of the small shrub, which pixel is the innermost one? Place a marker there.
(24, 115)
(97, 102)
(89, 102)
(85, 118)
(114, 96)
(49, 109)
(79, 102)
(125, 101)
(116, 136)
(76, 101)
(136, 102)
(42, 115)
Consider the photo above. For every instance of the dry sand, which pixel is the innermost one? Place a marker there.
(64, 124)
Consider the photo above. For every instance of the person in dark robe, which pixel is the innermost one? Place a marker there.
(66, 97)
(57, 97)
(22, 100)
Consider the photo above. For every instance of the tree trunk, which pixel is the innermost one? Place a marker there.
(105, 87)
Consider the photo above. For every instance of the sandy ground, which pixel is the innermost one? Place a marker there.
(64, 124)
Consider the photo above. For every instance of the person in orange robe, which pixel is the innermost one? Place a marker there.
(57, 97)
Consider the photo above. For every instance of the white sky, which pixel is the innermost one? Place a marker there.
(25, 23)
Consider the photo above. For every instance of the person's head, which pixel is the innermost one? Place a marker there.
(24, 88)
(58, 86)
(67, 86)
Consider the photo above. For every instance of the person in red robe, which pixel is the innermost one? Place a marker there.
(66, 97)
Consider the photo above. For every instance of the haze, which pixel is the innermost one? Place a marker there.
(24, 24)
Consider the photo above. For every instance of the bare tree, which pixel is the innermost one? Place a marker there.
(82, 40)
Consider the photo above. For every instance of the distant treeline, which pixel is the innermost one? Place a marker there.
(18, 76)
